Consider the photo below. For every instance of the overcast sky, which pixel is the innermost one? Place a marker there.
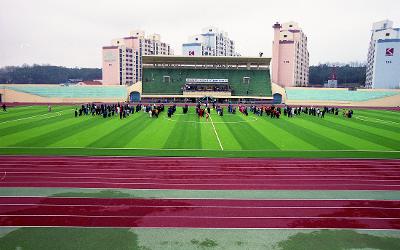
(72, 32)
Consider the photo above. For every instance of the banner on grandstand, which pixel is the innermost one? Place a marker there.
(198, 80)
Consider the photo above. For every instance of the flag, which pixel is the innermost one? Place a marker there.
(389, 51)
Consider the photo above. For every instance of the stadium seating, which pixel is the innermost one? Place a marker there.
(73, 91)
(260, 83)
(335, 95)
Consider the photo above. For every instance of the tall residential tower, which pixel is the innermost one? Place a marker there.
(211, 42)
(290, 57)
(122, 61)
(383, 65)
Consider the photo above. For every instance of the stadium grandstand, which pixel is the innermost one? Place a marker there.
(341, 97)
(53, 93)
(188, 79)
(223, 78)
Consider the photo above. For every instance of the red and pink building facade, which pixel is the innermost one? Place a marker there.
(122, 60)
(290, 56)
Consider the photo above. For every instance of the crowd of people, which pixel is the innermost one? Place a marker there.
(204, 110)
(348, 113)
(271, 111)
(122, 110)
(153, 110)
(171, 111)
(290, 112)
(106, 110)
(206, 87)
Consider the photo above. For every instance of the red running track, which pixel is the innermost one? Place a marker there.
(199, 173)
(95, 212)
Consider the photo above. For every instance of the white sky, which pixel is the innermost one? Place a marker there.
(72, 32)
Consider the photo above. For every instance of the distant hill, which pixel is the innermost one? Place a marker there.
(46, 74)
(346, 74)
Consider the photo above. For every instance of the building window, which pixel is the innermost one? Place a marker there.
(387, 34)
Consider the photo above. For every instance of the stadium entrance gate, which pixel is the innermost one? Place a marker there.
(277, 98)
(207, 99)
(134, 96)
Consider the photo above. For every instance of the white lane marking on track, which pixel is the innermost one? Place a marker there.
(21, 168)
(4, 176)
(224, 228)
(276, 177)
(373, 165)
(195, 217)
(202, 198)
(190, 206)
(214, 174)
(194, 184)
(35, 116)
(215, 131)
(205, 179)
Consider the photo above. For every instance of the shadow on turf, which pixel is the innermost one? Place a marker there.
(338, 240)
(69, 238)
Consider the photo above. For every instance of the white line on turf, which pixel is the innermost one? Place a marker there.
(253, 119)
(30, 117)
(376, 120)
(204, 149)
(219, 141)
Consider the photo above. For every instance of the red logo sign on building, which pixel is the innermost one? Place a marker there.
(389, 51)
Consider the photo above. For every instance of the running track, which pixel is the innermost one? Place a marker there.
(202, 174)
(199, 173)
(96, 212)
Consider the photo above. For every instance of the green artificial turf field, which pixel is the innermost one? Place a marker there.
(32, 130)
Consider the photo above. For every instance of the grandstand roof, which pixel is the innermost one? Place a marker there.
(230, 60)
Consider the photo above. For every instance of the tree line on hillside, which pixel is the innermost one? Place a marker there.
(346, 74)
(46, 74)
(353, 73)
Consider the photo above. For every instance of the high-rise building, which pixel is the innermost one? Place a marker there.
(122, 61)
(383, 64)
(211, 42)
(290, 57)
